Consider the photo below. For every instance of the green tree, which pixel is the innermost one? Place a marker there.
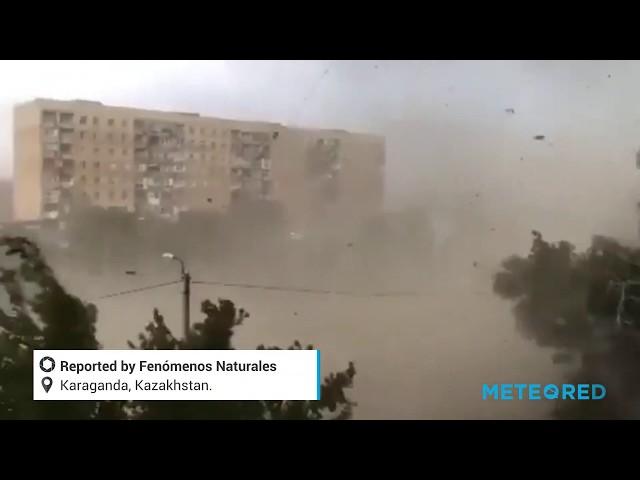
(40, 315)
(586, 306)
(215, 333)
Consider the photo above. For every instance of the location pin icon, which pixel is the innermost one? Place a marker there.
(46, 384)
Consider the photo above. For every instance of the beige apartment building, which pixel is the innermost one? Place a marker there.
(71, 154)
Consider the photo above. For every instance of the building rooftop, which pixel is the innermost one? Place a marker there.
(57, 103)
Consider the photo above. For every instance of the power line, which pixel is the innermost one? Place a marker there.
(135, 290)
(279, 288)
(271, 287)
(312, 290)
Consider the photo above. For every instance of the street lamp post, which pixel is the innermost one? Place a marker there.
(186, 293)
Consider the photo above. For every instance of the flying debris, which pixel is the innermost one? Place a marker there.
(539, 137)
(510, 110)
(131, 272)
(350, 244)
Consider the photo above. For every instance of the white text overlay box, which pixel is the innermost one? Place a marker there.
(176, 375)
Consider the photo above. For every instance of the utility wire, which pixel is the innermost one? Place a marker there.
(135, 290)
(271, 287)
(313, 290)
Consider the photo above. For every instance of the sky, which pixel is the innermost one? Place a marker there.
(445, 122)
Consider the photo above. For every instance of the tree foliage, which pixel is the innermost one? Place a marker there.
(215, 333)
(586, 306)
(40, 315)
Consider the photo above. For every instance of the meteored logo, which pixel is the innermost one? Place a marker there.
(536, 391)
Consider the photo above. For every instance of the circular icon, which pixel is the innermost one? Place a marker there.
(43, 362)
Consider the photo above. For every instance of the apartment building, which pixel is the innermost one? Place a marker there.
(70, 154)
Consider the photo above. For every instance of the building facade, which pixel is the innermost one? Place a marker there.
(73, 154)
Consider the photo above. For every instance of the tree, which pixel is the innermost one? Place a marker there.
(43, 316)
(585, 306)
(215, 333)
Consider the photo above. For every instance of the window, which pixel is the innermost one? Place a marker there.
(202, 156)
(83, 179)
(84, 164)
(81, 135)
(94, 135)
(124, 195)
(213, 133)
(95, 121)
(96, 164)
(110, 122)
(213, 145)
(124, 137)
(111, 181)
(125, 151)
(191, 156)
(191, 130)
(96, 195)
(111, 195)
(111, 151)
(201, 131)
(124, 123)
(83, 120)
(96, 180)
(110, 137)
(96, 150)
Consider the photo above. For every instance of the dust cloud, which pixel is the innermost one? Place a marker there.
(466, 182)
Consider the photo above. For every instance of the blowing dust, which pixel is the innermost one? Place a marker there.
(466, 183)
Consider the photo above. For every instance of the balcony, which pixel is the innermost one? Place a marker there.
(240, 163)
(66, 120)
(67, 182)
(52, 196)
(49, 119)
(51, 150)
